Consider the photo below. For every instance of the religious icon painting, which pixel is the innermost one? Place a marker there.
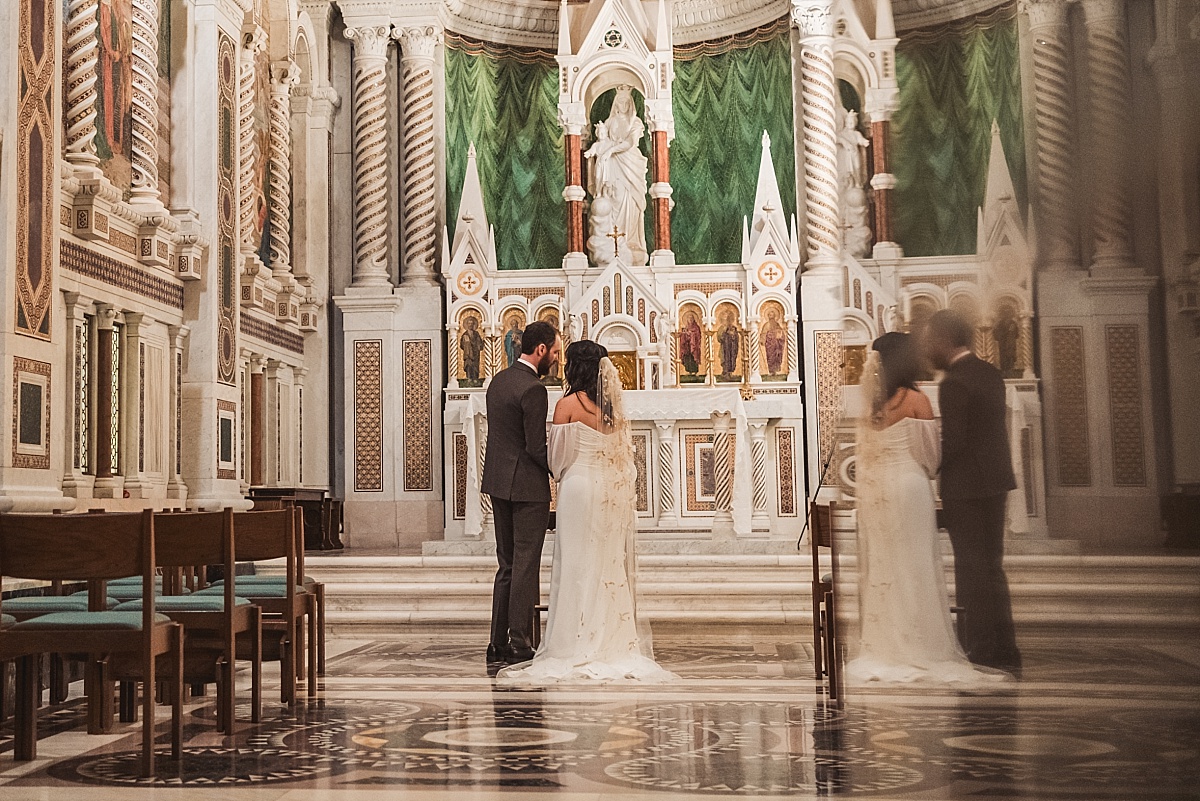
(114, 93)
(513, 327)
(727, 344)
(472, 349)
(692, 366)
(1006, 333)
(855, 357)
(772, 342)
(549, 314)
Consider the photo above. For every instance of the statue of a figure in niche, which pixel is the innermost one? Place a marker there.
(852, 176)
(1007, 333)
(617, 182)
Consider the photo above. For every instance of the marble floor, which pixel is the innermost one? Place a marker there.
(1096, 716)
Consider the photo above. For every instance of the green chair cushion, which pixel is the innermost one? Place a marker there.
(259, 579)
(252, 590)
(7, 620)
(127, 592)
(135, 580)
(45, 604)
(129, 621)
(184, 603)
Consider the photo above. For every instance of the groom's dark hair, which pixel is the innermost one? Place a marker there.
(539, 332)
(952, 328)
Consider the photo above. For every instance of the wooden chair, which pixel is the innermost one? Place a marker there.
(824, 597)
(94, 548)
(211, 624)
(271, 535)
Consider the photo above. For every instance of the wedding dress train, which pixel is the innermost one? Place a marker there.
(592, 632)
(904, 606)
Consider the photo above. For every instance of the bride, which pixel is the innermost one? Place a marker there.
(592, 632)
(903, 604)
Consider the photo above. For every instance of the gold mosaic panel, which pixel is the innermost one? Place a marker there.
(708, 287)
(641, 447)
(418, 415)
(530, 292)
(31, 411)
(1125, 405)
(368, 415)
(460, 476)
(1070, 407)
(785, 456)
(828, 345)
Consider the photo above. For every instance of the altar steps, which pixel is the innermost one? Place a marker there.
(381, 596)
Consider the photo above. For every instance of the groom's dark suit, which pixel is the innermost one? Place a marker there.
(516, 476)
(976, 477)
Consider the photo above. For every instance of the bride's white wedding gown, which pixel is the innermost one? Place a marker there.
(591, 631)
(904, 607)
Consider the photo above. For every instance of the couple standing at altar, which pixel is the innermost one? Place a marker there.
(592, 631)
(904, 608)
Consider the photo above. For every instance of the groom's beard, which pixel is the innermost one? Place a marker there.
(544, 366)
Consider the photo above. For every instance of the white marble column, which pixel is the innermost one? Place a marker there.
(76, 479)
(145, 104)
(668, 508)
(1109, 101)
(133, 403)
(818, 96)
(370, 121)
(758, 453)
(722, 476)
(81, 58)
(253, 40)
(284, 75)
(1057, 201)
(419, 165)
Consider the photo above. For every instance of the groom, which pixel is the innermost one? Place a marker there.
(516, 476)
(976, 477)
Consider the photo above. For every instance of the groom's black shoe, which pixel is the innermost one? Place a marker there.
(497, 654)
(518, 654)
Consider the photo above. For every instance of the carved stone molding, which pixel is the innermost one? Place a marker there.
(814, 18)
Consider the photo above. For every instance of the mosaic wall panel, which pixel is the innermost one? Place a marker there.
(1125, 405)
(1070, 407)
(785, 456)
(368, 415)
(31, 414)
(530, 292)
(460, 476)
(708, 287)
(115, 273)
(418, 415)
(1027, 471)
(829, 389)
(226, 415)
(273, 333)
(699, 478)
(641, 450)
(227, 211)
(37, 165)
(83, 382)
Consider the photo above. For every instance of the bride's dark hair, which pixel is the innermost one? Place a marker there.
(900, 363)
(582, 371)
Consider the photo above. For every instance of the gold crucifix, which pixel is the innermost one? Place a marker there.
(615, 236)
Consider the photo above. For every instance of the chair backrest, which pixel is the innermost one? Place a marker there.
(267, 535)
(185, 539)
(820, 528)
(92, 547)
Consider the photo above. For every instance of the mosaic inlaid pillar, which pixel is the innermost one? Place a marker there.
(257, 420)
(419, 165)
(284, 76)
(1054, 110)
(1109, 102)
(758, 455)
(105, 317)
(667, 507)
(135, 402)
(145, 104)
(76, 479)
(818, 97)
(82, 50)
(370, 120)
(722, 461)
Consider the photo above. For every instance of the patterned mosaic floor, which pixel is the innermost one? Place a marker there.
(1098, 718)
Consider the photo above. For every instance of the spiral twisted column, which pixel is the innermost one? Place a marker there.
(417, 46)
(1108, 69)
(722, 474)
(758, 456)
(1054, 110)
(485, 500)
(666, 466)
(755, 352)
(284, 76)
(818, 97)
(370, 120)
(82, 51)
(452, 351)
(253, 40)
(793, 346)
(1026, 345)
(145, 103)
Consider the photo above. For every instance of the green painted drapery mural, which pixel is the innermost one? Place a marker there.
(505, 100)
(954, 80)
(726, 93)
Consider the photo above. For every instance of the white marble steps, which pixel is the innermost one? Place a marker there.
(373, 595)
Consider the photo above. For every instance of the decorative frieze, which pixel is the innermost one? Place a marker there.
(116, 273)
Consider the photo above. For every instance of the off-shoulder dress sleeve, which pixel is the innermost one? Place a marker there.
(562, 445)
(926, 444)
